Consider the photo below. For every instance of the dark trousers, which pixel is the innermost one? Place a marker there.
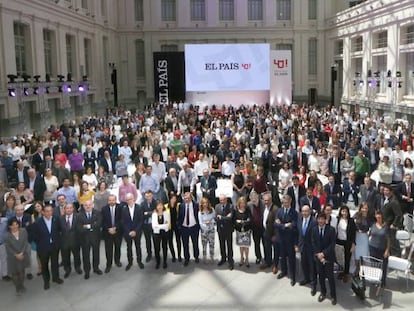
(171, 234)
(276, 253)
(395, 249)
(53, 257)
(88, 244)
(347, 249)
(226, 245)
(287, 253)
(268, 251)
(379, 254)
(186, 234)
(147, 228)
(308, 266)
(160, 240)
(137, 242)
(113, 245)
(326, 271)
(66, 251)
(257, 237)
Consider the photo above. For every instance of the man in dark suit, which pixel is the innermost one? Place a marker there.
(112, 232)
(334, 167)
(36, 184)
(323, 244)
(187, 222)
(18, 174)
(89, 157)
(148, 206)
(141, 159)
(70, 240)
(296, 192)
(311, 200)
(304, 246)
(60, 172)
(107, 162)
(171, 182)
(47, 235)
(132, 222)
(38, 158)
(271, 246)
(405, 192)
(393, 218)
(351, 190)
(299, 159)
(208, 186)
(49, 150)
(369, 194)
(333, 192)
(285, 223)
(47, 163)
(224, 220)
(89, 228)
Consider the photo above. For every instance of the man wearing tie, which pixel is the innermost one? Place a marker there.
(224, 219)
(304, 246)
(171, 182)
(188, 223)
(47, 235)
(296, 192)
(70, 240)
(89, 228)
(112, 232)
(323, 245)
(334, 192)
(333, 167)
(148, 206)
(286, 222)
(132, 222)
(406, 194)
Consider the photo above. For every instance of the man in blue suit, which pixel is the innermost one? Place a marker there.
(304, 245)
(132, 222)
(187, 222)
(208, 186)
(286, 226)
(47, 235)
(323, 244)
(112, 232)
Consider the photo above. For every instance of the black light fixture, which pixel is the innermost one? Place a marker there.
(36, 90)
(26, 91)
(25, 77)
(377, 74)
(85, 78)
(399, 84)
(36, 78)
(60, 78)
(47, 90)
(389, 74)
(389, 83)
(12, 78)
(48, 78)
(369, 73)
(398, 74)
(69, 77)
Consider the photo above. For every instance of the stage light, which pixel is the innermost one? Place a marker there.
(84, 78)
(377, 74)
(12, 92)
(60, 89)
(389, 74)
(47, 89)
(399, 84)
(48, 78)
(81, 88)
(36, 90)
(25, 78)
(398, 74)
(69, 77)
(389, 83)
(370, 83)
(36, 78)
(26, 91)
(378, 83)
(69, 89)
(354, 82)
(361, 83)
(61, 77)
(369, 73)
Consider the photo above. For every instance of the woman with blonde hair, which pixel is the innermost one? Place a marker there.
(206, 218)
(160, 223)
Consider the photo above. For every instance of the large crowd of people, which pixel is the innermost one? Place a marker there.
(319, 182)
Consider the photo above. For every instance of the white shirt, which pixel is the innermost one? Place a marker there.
(265, 215)
(70, 219)
(156, 227)
(342, 225)
(199, 167)
(131, 210)
(227, 168)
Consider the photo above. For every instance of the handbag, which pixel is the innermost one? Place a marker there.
(358, 287)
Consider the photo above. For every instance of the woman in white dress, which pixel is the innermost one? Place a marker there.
(52, 185)
(313, 162)
(285, 177)
(363, 223)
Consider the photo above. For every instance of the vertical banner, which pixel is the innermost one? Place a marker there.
(169, 77)
(281, 77)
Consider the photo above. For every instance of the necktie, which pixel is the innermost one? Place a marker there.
(334, 166)
(89, 216)
(321, 234)
(67, 223)
(187, 218)
(113, 216)
(408, 190)
(305, 226)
